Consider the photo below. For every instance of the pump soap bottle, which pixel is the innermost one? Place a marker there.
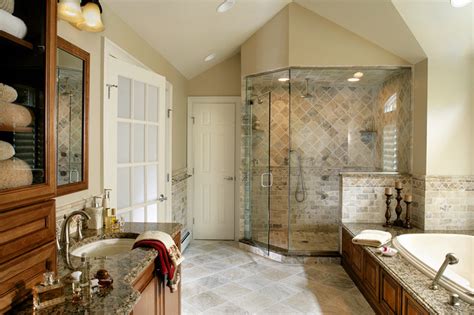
(95, 213)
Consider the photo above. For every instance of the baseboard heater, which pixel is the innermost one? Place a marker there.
(185, 240)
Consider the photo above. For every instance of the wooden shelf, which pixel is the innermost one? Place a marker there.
(8, 39)
(15, 129)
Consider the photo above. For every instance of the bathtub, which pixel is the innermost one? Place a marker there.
(427, 252)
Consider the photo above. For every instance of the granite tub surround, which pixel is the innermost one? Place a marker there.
(124, 269)
(408, 276)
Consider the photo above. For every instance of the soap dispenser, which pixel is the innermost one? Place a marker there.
(96, 214)
(106, 206)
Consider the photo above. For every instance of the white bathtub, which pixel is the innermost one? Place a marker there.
(428, 251)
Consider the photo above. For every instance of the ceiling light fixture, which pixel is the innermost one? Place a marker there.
(70, 10)
(460, 3)
(353, 79)
(92, 19)
(225, 6)
(284, 79)
(210, 57)
(358, 75)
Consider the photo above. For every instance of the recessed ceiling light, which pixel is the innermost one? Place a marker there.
(225, 6)
(353, 79)
(358, 75)
(210, 57)
(460, 3)
(284, 79)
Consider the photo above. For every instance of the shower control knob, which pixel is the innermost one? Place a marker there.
(229, 178)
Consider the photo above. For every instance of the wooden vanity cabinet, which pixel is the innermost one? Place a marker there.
(155, 297)
(382, 291)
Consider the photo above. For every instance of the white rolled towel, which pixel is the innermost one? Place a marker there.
(373, 238)
(7, 93)
(7, 151)
(7, 5)
(12, 25)
(15, 173)
(13, 115)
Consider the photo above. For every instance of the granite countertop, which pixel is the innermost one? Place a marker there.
(123, 268)
(412, 280)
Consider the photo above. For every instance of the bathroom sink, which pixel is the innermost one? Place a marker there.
(107, 247)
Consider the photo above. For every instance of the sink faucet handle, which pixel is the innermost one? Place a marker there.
(454, 299)
(79, 228)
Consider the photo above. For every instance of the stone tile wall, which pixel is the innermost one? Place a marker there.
(180, 197)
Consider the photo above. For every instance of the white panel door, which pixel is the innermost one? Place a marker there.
(214, 175)
(134, 142)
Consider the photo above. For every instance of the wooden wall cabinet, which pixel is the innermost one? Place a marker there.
(156, 298)
(384, 294)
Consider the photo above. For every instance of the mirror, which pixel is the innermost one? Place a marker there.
(72, 107)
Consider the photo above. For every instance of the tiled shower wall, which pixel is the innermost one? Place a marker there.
(179, 189)
(69, 126)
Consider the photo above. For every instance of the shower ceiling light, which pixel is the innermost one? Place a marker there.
(460, 3)
(284, 79)
(353, 79)
(210, 57)
(225, 6)
(358, 75)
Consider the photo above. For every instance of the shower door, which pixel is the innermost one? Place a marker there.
(260, 172)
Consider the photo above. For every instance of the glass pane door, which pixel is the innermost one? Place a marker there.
(261, 177)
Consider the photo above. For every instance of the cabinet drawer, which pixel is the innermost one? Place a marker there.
(371, 276)
(24, 229)
(390, 294)
(412, 307)
(19, 275)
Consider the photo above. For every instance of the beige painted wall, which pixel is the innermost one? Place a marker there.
(316, 41)
(120, 33)
(267, 49)
(420, 74)
(449, 116)
(221, 80)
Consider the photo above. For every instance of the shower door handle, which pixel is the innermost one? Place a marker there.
(270, 181)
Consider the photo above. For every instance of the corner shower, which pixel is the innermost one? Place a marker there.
(302, 128)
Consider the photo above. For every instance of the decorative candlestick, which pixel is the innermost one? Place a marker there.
(398, 209)
(388, 214)
(408, 201)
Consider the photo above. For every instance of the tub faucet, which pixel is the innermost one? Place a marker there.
(450, 259)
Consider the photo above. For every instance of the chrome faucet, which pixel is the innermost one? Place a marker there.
(65, 239)
(450, 259)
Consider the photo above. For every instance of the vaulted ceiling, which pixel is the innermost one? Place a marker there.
(186, 31)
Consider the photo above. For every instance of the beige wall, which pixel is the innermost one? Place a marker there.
(449, 116)
(316, 41)
(420, 76)
(221, 80)
(122, 34)
(267, 49)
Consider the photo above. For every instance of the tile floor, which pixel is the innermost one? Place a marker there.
(220, 278)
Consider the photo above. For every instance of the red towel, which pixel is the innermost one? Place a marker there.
(163, 262)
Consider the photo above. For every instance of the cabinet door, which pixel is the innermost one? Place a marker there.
(27, 128)
(357, 259)
(412, 307)
(346, 245)
(147, 305)
(371, 276)
(390, 294)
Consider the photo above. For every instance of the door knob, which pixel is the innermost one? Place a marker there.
(162, 198)
(229, 178)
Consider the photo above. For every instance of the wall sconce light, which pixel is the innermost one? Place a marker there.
(85, 16)
(70, 10)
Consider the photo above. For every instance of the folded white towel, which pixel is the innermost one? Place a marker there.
(12, 25)
(373, 238)
(7, 93)
(7, 5)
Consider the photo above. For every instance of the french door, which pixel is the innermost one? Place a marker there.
(135, 141)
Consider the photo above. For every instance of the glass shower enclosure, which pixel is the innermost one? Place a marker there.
(302, 127)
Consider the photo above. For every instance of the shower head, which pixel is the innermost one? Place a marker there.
(307, 95)
(259, 97)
